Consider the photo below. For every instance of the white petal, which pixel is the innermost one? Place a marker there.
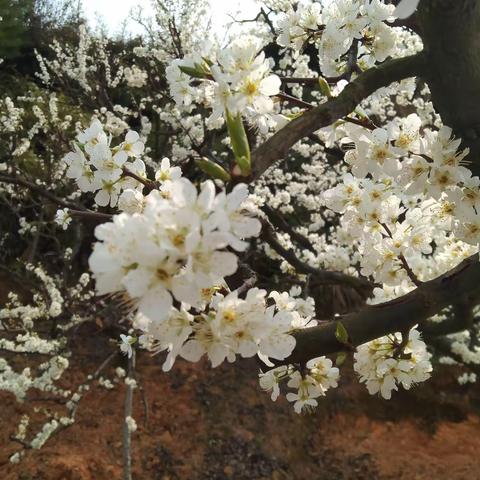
(224, 263)
(270, 85)
(120, 157)
(132, 137)
(217, 354)
(207, 196)
(236, 197)
(192, 351)
(156, 304)
(102, 198)
(406, 8)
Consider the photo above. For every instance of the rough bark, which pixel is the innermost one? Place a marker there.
(398, 315)
(450, 63)
(450, 30)
(276, 147)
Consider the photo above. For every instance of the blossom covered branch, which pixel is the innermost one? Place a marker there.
(276, 147)
(397, 315)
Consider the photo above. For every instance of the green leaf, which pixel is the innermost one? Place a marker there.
(324, 87)
(207, 61)
(196, 72)
(213, 169)
(341, 356)
(341, 334)
(293, 116)
(239, 141)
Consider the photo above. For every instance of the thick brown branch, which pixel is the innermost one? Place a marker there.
(450, 30)
(396, 315)
(334, 109)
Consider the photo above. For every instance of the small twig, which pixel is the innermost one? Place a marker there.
(400, 347)
(247, 284)
(403, 260)
(75, 210)
(146, 414)
(39, 190)
(89, 214)
(352, 65)
(127, 440)
(268, 21)
(24, 444)
(322, 277)
(294, 100)
(301, 80)
(90, 379)
(36, 238)
(147, 183)
(408, 269)
(362, 122)
(279, 222)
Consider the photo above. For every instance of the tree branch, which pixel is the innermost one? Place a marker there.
(322, 277)
(149, 184)
(396, 315)
(98, 217)
(40, 191)
(451, 37)
(279, 222)
(276, 147)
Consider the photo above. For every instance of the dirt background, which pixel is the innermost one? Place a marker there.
(218, 424)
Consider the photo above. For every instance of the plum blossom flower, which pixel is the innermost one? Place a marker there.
(63, 218)
(167, 172)
(126, 342)
(386, 363)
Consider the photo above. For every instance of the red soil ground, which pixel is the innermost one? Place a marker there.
(217, 424)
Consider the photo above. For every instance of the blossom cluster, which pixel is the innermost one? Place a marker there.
(24, 315)
(408, 193)
(230, 326)
(176, 247)
(318, 376)
(408, 213)
(19, 383)
(98, 167)
(386, 363)
(236, 79)
(334, 28)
